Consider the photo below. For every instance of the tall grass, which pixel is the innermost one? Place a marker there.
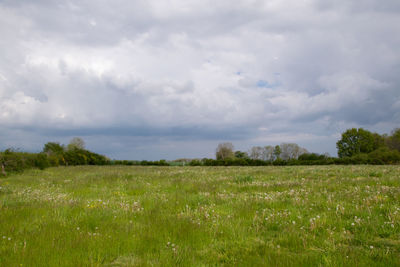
(200, 216)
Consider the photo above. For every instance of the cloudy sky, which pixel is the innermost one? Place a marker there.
(168, 79)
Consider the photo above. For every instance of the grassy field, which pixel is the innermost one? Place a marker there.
(201, 216)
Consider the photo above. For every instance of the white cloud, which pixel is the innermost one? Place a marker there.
(276, 65)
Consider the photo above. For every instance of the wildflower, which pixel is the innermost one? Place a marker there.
(77, 228)
(352, 224)
(371, 247)
(293, 222)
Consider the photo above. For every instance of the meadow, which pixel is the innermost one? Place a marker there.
(201, 216)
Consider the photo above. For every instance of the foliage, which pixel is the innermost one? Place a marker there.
(53, 154)
(241, 155)
(393, 141)
(312, 156)
(277, 152)
(15, 161)
(53, 148)
(224, 151)
(355, 141)
(78, 156)
(42, 161)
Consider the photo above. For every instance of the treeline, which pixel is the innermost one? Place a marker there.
(356, 146)
(360, 146)
(52, 155)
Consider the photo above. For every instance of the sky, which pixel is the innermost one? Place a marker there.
(157, 79)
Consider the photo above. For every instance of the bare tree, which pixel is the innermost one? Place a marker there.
(291, 151)
(224, 151)
(76, 143)
(256, 152)
(268, 153)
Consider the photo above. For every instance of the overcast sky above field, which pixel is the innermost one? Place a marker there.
(159, 79)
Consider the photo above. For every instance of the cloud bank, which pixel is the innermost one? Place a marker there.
(167, 79)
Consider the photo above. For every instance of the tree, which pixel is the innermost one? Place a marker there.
(224, 151)
(76, 143)
(277, 152)
(52, 148)
(241, 155)
(291, 151)
(256, 152)
(393, 141)
(268, 153)
(355, 141)
(379, 141)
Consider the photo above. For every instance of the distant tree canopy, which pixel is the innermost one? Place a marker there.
(284, 151)
(355, 141)
(76, 143)
(256, 152)
(225, 151)
(277, 152)
(356, 146)
(52, 148)
(393, 141)
(291, 151)
(362, 146)
(75, 154)
(241, 155)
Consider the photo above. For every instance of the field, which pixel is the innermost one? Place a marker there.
(201, 216)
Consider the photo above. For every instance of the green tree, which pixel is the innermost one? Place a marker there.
(355, 141)
(241, 155)
(393, 141)
(52, 148)
(277, 152)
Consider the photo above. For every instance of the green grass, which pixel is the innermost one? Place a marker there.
(201, 216)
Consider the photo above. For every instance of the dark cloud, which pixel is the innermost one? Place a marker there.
(165, 78)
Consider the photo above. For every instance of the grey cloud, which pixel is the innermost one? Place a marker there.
(197, 70)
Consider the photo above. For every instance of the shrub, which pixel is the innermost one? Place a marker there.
(41, 161)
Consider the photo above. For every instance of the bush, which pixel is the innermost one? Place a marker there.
(384, 156)
(195, 162)
(41, 161)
